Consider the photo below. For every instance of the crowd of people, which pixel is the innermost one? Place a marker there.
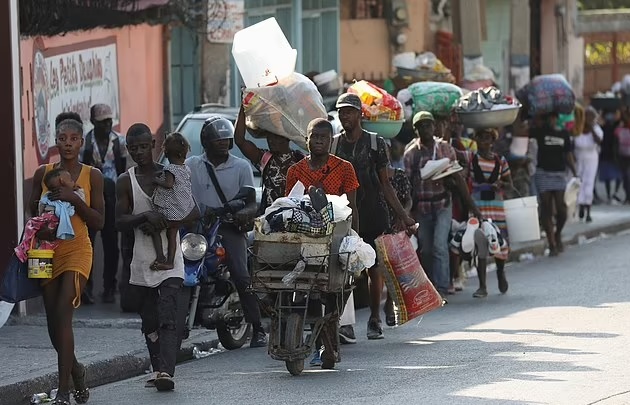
(459, 211)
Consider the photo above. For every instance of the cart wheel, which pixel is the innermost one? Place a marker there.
(293, 339)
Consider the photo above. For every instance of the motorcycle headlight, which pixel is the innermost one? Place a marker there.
(194, 246)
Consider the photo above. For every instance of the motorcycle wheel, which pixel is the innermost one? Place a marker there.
(233, 339)
(293, 339)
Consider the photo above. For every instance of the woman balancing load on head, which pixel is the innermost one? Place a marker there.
(73, 258)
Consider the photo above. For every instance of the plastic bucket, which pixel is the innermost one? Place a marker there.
(521, 215)
(263, 54)
(40, 263)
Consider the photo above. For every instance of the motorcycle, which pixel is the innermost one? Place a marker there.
(215, 303)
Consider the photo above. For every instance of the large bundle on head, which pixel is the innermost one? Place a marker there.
(284, 109)
(435, 97)
(546, 94)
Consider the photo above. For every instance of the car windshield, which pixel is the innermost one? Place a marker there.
(191, 128)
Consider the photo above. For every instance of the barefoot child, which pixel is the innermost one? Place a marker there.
(173, 197)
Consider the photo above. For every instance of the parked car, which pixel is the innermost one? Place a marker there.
(190, 127)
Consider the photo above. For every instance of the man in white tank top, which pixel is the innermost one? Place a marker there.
(155, 293)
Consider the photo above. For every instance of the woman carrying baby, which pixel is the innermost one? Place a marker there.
(72, 261)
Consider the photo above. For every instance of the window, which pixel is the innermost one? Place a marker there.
(366, 9)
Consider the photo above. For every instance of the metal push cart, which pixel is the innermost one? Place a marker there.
(274, 256)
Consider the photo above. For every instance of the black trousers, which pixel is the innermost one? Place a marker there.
(109, 236)
(161, 321)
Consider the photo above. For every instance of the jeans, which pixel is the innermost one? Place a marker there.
(235, 244)
(158, 309)
(109, 236)
(433, 234)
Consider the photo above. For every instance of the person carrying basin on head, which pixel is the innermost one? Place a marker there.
(489, 174)
(368, 154)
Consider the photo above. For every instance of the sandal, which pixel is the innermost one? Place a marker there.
(62, 399)
(390, 315)
(81, 391)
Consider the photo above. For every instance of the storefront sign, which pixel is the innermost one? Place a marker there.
(72, 78)
(225, 18)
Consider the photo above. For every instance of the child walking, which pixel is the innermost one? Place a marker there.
(172, 198)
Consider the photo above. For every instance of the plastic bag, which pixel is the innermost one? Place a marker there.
(377, 103)
(341, 207)
(284, 109)
(404, 96)
(408, 285)
(435, 97)
(547, 93)
(362, 255)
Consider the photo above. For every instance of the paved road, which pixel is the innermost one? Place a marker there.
(560, 336)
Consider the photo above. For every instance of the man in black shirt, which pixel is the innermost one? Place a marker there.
(368, 154)
(555, 155)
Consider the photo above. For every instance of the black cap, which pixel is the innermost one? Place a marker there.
(349, 100)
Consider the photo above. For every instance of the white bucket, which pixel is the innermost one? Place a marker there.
(521, 215)
(263, 54)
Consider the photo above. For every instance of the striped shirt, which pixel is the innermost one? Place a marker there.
(429, 195)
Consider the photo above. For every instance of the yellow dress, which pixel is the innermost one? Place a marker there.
(75, 254)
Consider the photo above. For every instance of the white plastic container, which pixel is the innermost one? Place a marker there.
(521, 215)
(263, 54)
(519, 146)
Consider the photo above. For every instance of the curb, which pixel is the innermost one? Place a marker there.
(99, 373)
(538, 247)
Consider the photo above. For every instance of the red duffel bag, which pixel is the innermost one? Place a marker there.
(407, 283)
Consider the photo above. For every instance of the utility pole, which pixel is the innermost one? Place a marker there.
(535, 44)
(11, 152)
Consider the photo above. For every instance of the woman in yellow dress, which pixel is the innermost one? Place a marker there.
(72, 261)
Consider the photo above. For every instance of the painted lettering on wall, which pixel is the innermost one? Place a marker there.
(72, 81)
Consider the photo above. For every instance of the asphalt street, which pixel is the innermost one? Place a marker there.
(560, 336)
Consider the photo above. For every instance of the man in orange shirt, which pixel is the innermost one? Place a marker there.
(323, 170)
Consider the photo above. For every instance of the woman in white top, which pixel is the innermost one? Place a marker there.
(587, 156)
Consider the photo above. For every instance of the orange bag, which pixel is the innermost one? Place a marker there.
(407, 284)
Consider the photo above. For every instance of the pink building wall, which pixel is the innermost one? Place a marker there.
(140, 65)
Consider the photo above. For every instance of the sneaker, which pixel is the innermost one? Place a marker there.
(164, 382)
(480, 293)
(346, 335)
(259, 339)
(316, 361)
(491, 234)
(374, 329)
(468, 240)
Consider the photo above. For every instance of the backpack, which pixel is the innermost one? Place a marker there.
(88, 153)
(335, 142)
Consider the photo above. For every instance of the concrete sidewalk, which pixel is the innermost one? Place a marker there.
(108, 342)
(111, 345)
